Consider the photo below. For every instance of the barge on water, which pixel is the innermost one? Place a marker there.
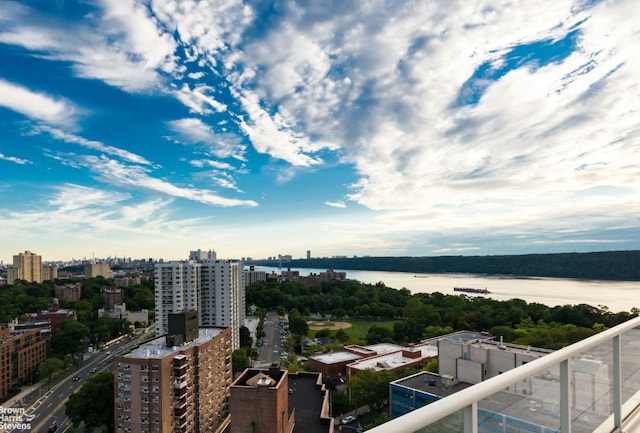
(484, 291)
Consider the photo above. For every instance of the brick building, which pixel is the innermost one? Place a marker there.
(20, 354)
(55, 315)
(175, 383)
(112, 296)
(69, 291)
(274, 401)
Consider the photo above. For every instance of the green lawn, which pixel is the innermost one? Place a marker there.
(359, 328)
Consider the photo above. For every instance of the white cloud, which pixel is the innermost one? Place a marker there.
(94, 145)
(38, 106)
(200, 163)
(89, 213)
(199, 99)
(14, 159)
(338, 204)
(137, 177)
(120, 45)
(195, 132)
(374, 84)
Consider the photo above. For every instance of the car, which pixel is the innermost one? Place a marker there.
(30, 418)
(76, 378)
(348, 419)
(93, 370)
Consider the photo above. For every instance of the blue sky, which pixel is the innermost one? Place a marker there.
(151, 128)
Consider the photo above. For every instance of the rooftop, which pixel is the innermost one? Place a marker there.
(307, 398)
(430, 383)
(158, 349)
(395, 359)
(335, 357)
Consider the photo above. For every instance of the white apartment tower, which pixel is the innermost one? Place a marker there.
(214, 288)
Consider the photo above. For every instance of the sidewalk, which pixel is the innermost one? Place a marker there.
(22, 399)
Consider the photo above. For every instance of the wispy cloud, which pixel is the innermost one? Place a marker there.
(451, 114)
(136, 177)
(90, 212)
(195, 132)
(91, 144)
(122, 47)
(338, 204)
(38, 106)
(14, 159)
(200, 99)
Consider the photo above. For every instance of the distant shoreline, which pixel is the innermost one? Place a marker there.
(606, 265)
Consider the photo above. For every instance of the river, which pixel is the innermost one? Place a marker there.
(614, 295)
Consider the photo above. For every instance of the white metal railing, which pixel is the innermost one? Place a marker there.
(467, 399)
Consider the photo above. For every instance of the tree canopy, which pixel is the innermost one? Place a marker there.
(425, 315)
(82, 405)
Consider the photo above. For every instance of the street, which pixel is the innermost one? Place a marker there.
(45, 408)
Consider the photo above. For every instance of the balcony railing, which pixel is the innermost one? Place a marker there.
(590, 386)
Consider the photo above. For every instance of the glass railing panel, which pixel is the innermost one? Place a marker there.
(630, 345)
(527, 406)
(449, 424)
(592, 388)
(519, 403)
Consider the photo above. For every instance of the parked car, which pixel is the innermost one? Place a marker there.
(348, 419)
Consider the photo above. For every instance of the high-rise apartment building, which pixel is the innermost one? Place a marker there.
(49, 272)
(177, 383)
(214, 288)
(26, 266)
(202, 255)
(252, 276)
(93, 270)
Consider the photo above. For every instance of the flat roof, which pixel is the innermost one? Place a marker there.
(383, 362)
(420, 382)
(335, 357)
(382, 348)
(513, 348)
(395, 359)
(158, 349)
(467, 336)
(307, 398)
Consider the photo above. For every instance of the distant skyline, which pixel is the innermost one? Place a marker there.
(149, 129)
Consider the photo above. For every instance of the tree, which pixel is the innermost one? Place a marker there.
(436, 331)
(370, 387)
(83, 407)
(240, 360)
(431, 366)
(245, 336)
(68, 339)
(106, 328)
(380, 419)
(339, 402)
(49, 368)
(342, 336)
(379, 334)
(297, 324)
